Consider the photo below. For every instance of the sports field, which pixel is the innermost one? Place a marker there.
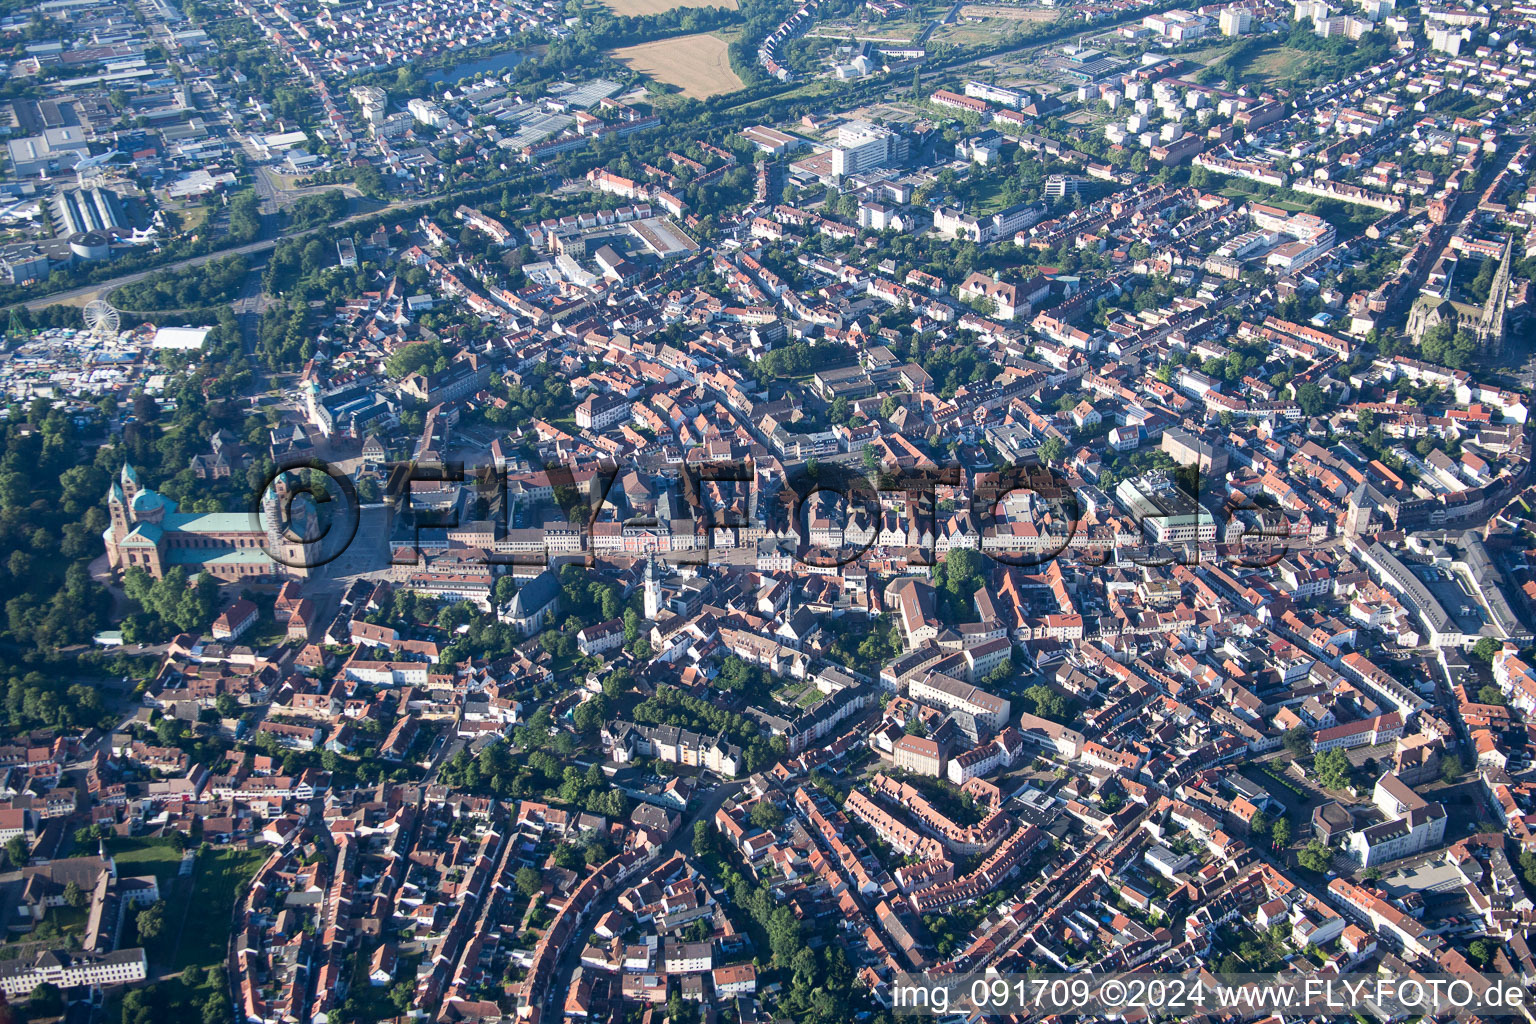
(698, 64)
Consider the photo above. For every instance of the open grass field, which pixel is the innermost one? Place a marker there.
(1009, 12)
(972, 33)
(1270, 66)
(1242, 196)
(637, 8)
(987, 196)
(698, 65)
(1267, 67)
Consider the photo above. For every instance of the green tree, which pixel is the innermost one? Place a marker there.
(589, 715)
(766, 815)
(18, 852)
(1312, 399)
(1047, 702)
(1298, 741)
(703, 839)
(1317, 856)
(1528, 867)
(45, 1000)
(1451, 768)
(424, 356)
(617, 682)
(1486, 648)
(1332, 769)
(151, 921)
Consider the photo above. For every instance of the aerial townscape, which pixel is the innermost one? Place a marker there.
(643, 511)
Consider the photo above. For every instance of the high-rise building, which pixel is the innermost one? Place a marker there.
(1236, 21)
(860, 147)
(373, 101)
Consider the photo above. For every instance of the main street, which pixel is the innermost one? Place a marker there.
(715, 798)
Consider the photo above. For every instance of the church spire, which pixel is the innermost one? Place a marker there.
(129, 479)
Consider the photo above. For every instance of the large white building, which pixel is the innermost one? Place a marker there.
(373, 101)
(1015, 98)
(1176, 25)
(860, 147)
(1516, 678)
(69, 970)
(1051, 736)
(954, 223)
(1413, 826)
(1166, 513)
(428, 113)
(624, 741)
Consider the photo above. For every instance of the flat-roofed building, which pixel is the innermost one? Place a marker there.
(1167, 515)
(771, 140)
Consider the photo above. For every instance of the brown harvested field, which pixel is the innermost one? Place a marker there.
(635, 8)
(1011, 13)
(698, 64)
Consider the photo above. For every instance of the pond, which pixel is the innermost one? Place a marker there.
(495, 64)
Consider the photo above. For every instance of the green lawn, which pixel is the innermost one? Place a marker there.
(1265, 65)
(1242, 196)
(1348, 219)
(221, 874)
(208, 908)
(985, 195)
(156, 857)
(789, 694)
(1269, 69)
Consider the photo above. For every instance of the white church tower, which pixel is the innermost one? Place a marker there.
(652, 589)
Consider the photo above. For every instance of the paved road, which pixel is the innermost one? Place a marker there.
(90, 291)
(944, 19)
(248, 309)
(276, 193)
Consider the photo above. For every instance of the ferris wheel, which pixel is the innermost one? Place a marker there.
(101, 319)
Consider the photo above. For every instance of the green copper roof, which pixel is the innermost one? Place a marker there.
(214, 522)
